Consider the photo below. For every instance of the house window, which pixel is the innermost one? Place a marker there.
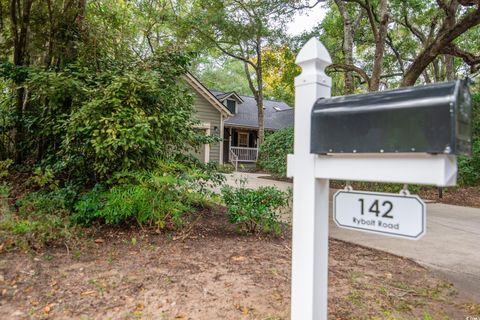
(231, 105)
(243, 139)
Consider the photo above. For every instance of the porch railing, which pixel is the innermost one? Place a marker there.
(233, 159)
(244, 154)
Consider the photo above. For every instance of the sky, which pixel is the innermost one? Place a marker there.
(306, 20)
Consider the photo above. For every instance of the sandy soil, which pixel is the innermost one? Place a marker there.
(211, 271)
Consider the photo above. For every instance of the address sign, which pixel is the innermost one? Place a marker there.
(384, 213)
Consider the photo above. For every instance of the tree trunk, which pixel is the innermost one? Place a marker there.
(445, 37)
(20, 20)
(450, 21)
(259, 98)
(347, 46)
(380, 46)
(449, 67)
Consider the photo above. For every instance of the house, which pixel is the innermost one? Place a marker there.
(234, 119)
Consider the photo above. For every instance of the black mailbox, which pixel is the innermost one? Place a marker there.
(429, 119)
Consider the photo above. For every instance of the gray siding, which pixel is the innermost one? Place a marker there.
(207, 113)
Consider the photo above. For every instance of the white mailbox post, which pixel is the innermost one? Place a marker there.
(312, 172)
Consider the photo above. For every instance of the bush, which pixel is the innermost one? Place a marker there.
(161, 197)
(86, 124)
(129, 119)
(226, 168)
(4, 167)
(255, 208)
(469, 167)
(42, 219)
(274, 151)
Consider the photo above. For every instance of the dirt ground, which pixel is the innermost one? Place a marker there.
(460, 196)
(211, 271)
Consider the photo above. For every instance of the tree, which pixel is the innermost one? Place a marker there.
(241, 29)
(456, 21)
(410, 39)
(89, 87)
(349, 26)
(220, 72)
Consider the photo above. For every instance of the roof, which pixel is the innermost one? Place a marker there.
(207, 94)
(277, 114)
(228, 95)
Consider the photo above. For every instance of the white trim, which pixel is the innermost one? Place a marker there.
(207, 149)
(206, 126)
(233, 93)
(220, 161)
(411, 168)
(310, 214)
(200, 88)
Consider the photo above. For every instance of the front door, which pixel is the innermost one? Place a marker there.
(243, 139)
(203, 152)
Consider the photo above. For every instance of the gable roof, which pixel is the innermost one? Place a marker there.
(222, 97)
(204, 92)
(277, 114)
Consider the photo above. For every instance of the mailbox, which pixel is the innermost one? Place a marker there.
(425, 119)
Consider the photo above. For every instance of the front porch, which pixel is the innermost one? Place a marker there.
(240, 145)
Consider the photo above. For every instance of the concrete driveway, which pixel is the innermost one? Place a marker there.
(450, 247)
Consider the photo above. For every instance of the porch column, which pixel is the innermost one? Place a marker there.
(229, 145)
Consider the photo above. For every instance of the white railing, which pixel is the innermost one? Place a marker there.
(233, 159)
(244, 154)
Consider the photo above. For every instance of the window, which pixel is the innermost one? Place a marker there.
(243, 139)
(231, 105)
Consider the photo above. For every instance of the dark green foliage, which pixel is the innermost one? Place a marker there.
(4, 167)
(160, 197)
(42, 219)
(92, 124)
(274, 151)
(469, 167)
(255, 209)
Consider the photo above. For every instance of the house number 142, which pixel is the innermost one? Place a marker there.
(382, 209)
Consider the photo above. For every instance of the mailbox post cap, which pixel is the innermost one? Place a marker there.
(314, 50)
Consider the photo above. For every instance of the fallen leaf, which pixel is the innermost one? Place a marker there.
(139, 307)
(48, 308)
(87, 293)
(245, 311)
(28, 290)
(99, 240)
(238, 258)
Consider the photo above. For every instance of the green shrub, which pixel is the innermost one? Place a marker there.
(274, 151)
(255, 208)
(131, 118)
(43, 178)
(225, 168)
(161, 197)
(469, 167)
(4, 192)
(42, 220)
(4, 167)
(87, 123)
